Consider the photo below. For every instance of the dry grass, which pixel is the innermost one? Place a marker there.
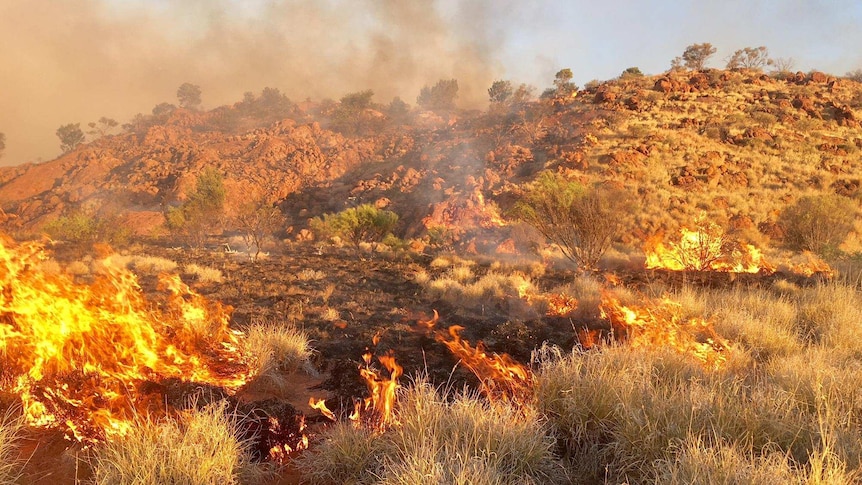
(309, 274)
(204, 274)
(10, 429)
(198, 447)
(153, 264)
(462, 440)
(275, 350)
(786, 405)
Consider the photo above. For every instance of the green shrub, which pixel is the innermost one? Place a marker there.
(582, 222)
(363, 224)
(80, 227)
(818, 223)
(202, 211)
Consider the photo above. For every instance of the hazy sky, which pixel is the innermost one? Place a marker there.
(72, 61)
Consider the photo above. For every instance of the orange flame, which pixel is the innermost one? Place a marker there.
(381, 403)
(500, 376)
(661, 324)
(76, 354)
(320, 405)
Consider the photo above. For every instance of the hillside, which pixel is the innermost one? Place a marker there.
(739, 145)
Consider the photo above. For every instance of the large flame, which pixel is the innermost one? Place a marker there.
(77, 354)
(705, 248)
(661, 324)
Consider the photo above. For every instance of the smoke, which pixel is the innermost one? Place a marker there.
(77, 60)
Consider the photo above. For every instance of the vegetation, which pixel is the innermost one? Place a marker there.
(189, 96)
(258, 220)
(199, 447)
(439, 97)
(2, 143)
(102, 127)
(81, 227)
(202, 211)
(818, 223)
(70, 136)
(694, 57)
(438, 440)
(10, 430)
(363, 224)
(275, 350)
(750, 58)
(581, 222)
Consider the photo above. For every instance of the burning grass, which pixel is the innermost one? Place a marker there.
(438, 440)
(196, 448)
(77, 354)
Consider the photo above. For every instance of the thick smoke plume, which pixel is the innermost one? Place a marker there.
(77, 60)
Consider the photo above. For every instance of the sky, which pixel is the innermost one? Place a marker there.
(74, 61)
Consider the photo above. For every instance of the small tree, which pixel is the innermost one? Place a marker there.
(365, 223)
(500, 92)
(749, 58)
(202, 211)
(440, 97)
(694, 57)
(632, 72)
(818, 223)
(102, 127)
(582, 222)
(258, 220)
(855, 75)
(189, 95)
(70, 136)
(2, 143)
(350, 116)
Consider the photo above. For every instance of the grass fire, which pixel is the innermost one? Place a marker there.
(652, 278)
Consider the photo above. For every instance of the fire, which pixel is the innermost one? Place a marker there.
(320, 405)
(808, 264)
(560, 305)
(705, 248)
(380, 405)
(77, 354)
(500, 376)
(661, 324)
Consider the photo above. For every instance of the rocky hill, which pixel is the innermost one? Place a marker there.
(738, 145)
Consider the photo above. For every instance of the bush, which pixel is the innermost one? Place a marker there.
(195, 217)
(79, 227)
(200, 447)
(363, 224)
(582, 222)
(818, 223)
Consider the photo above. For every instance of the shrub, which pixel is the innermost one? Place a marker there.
(818, 223)
(80, 227)
(198, 447)
(363, 224)
(582, 222)
(202, 211)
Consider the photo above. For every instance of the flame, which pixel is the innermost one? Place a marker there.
(808, 264)
(320, 405)
(560, 305)
(379, 406)
(705, 248)
(76, 354)
(501, 377)
(661, 324)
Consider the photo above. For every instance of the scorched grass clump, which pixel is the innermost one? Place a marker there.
(10, 430)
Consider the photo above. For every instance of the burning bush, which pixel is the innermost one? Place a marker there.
(582, 222)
